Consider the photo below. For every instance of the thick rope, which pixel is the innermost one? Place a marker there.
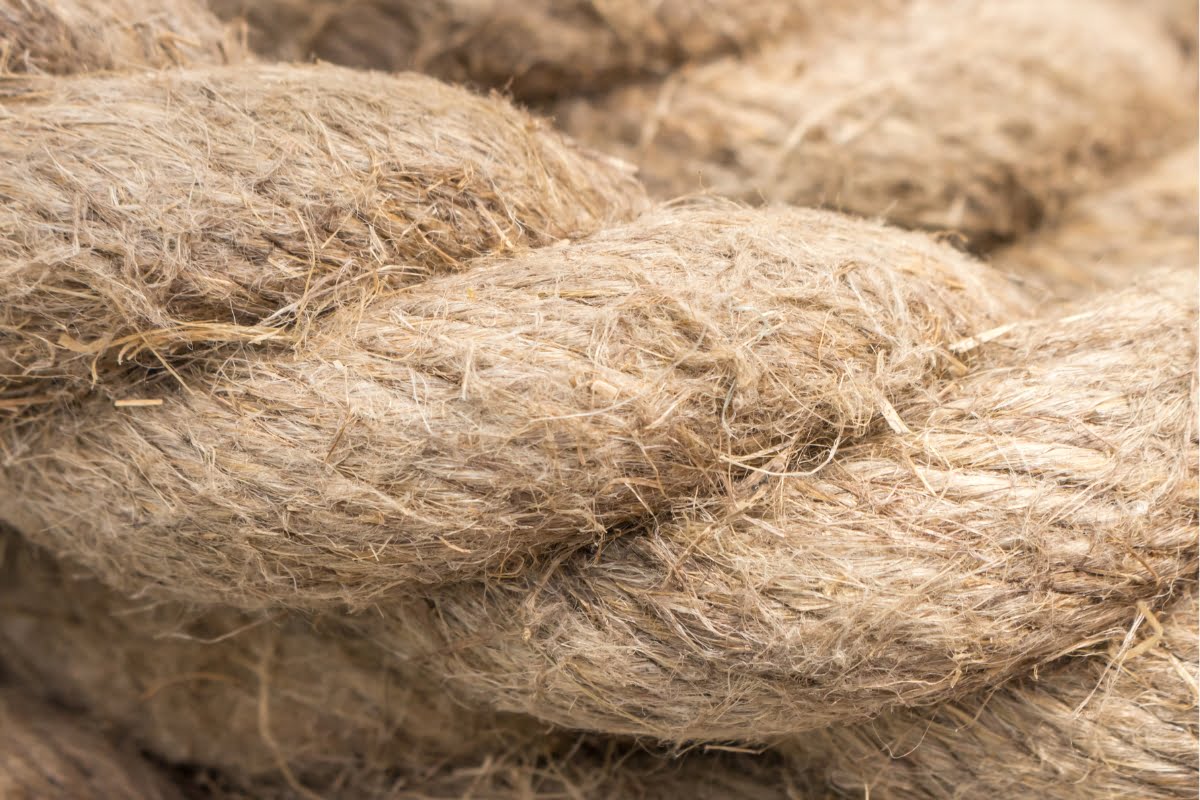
(975, 117)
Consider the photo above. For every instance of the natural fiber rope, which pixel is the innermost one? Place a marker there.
(306, 700)
(532, 48)
(172, 676)
(1107, 239)
(648, 380)
(551, 397)
(69, 36)
(1012, 515)
(48, 755)
(708, 474)
(158, 213)
(720, 595)
(976, 117)
(1093, 726)
(1028, 506)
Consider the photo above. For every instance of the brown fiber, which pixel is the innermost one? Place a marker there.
(387, 444)
(1146, 220)
(978, 117)
(161, 214)
(48, 755)
(262, 695)
(1103, 726)
(69, 36)
(556, 396)
(619, 772)
(284, 710)
(595, 770)
(533, 48)
(1029, 503)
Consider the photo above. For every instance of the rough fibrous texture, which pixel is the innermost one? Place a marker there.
(533, 48)
(385, 445)
(285, 710)
(1030, 503)
(48, 755)
(69, 36)
(1146, 220)
(597, 769)
(253, 695)
(152, 213)
(551, 397)
(1094, 727)
(977, 117)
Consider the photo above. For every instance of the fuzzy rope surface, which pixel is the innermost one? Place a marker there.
(46, 754)
(61, 37)
(304, 709)
(290, 696)
(396, 436)
(1025, 507)
(1144, 220)
(162, 214)
(976, 117)
(1091, 727)
(555, 397)
(533, 48)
